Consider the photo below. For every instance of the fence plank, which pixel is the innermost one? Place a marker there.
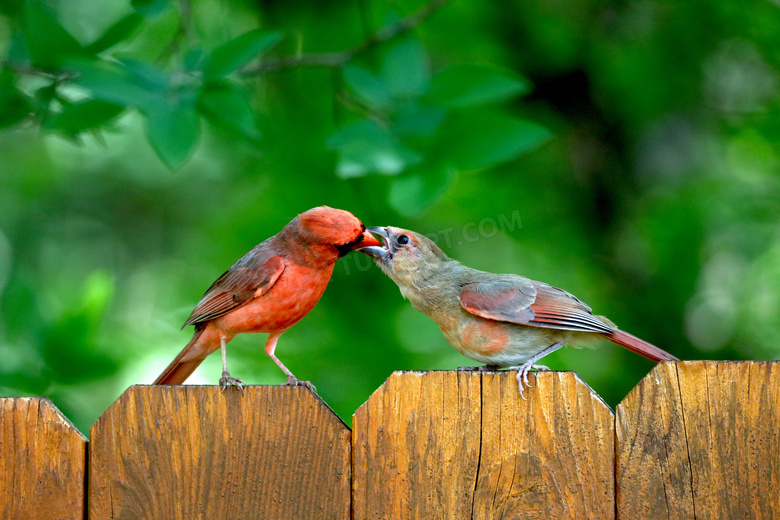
(699, 439)
(183, 452)
(466, 445)
(42, 461)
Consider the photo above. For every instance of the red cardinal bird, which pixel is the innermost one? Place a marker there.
(269, 289)
(503, 320)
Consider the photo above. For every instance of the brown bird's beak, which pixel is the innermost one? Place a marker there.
(375, 248)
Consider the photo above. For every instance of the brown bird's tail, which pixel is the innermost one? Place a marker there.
(639, 346)
(178, 371)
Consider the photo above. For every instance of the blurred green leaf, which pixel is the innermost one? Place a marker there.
(410, 194)
(118, 32)
(14, 108)
(367, 86)
(364, 147)
(463, 86)
(139, 86)
(14, 105)
(418, 121)
(405, 68)
(173, 132)
(18, 51)
(481, 139)
(42, 99)
(48, 42)
(236, 53)
(194, 59)
(11, 8)
(226, 104)
(150, 7)
(149, 75)
(85, 115)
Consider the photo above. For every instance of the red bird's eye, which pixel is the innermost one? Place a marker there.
(402, 240)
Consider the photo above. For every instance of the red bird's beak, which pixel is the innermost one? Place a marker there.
(368, 240)
(374, 248)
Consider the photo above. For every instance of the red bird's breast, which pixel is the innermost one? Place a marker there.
(294, 294)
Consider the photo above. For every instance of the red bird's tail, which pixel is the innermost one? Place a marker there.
(639, 346)
(178, 371)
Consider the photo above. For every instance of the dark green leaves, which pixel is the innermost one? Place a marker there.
(118, 32)
(174, 87)
(417, 190)
(226, 105)
(14, 106)
(173, 131)
(150, 7)
(426, 128)
(136, 85)
(236, 53)
(482, 139)
(367, 86)
(463, 86)
(409, 123)
(405, 68)
(86, 115)
(48, 43)
(167, 101)
(365, 147)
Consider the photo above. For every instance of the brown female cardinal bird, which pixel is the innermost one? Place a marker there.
(269, 289)
(502, 320)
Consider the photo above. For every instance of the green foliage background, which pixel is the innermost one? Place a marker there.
(624, 151)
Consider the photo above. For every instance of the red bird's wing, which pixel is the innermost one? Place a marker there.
(526, 302)
(236, 287)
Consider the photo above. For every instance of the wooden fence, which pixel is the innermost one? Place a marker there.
(693, 440)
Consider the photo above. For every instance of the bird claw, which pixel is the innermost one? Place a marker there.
(522, 375)
(228, 380)
(294, 381)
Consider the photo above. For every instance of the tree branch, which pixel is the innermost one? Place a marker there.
(30, 70)
(336, 59)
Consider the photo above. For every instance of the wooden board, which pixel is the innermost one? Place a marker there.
(699, 439)
(466, 445)
(42, 461)
(184, 452)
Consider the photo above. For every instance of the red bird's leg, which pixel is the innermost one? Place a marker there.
(270, 346)
(522, 370)
(226, 378)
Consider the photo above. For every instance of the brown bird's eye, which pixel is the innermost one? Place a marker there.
(402, 240)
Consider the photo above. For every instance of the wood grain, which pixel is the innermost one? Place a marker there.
(42, 462)
(466, 445)
(699, 439)
(184, 452)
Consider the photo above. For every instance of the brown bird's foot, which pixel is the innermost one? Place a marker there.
(522, 370)
(294, 381)
(483, 368)
(228, 380)
(522, 375)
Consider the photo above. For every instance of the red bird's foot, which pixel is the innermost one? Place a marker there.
(294, 381)
(228, 380)
(483, 368)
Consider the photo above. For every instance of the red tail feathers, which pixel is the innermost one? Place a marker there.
(178, 371)
(639, 346)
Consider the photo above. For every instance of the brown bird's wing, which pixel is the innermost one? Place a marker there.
(526, 302)
(237, 286)
(540, 305)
